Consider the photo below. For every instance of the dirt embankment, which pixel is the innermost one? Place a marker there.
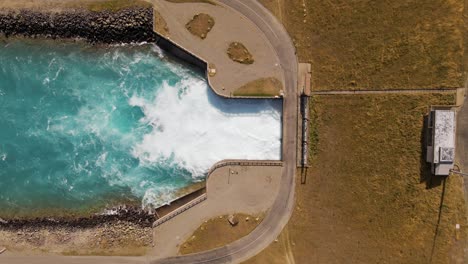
(133, 24)
(117, 238)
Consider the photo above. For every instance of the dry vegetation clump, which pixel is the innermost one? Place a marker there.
(211, 69)
(368, 197)
(377, 44)
(218, 232)
(260, 87)
(239, 53)
(200, 25)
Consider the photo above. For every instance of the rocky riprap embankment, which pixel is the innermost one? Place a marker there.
(133, 215)
(124, 26)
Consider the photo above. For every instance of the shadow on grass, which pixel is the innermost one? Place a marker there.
(303, 175)
(443, 179)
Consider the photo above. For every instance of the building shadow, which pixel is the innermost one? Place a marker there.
(304, 175)
(426, 175)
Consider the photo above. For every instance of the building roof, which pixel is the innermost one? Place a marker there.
(444, 136)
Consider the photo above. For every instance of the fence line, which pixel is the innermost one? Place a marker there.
(180, 210)
(390, 91)
(243, 163)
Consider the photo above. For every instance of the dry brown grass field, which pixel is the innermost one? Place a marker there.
(368, 197)
(365, 44)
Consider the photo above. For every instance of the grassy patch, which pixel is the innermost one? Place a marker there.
(368, 197)
(260, 87)
(239, 53)
(200, 25)
(377, 44)
(313, 131)
(218, 232)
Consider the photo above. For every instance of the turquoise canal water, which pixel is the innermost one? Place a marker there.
(83, 128)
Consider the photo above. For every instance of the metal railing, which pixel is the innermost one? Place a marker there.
(243, 163)
(179, 210)
(203, 197)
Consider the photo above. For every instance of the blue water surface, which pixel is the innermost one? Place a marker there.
(67, 129)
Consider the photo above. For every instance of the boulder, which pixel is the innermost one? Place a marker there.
(233, 220)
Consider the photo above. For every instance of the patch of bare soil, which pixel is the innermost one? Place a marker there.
(108, 5)
(218, 232)
(239, 53)
(261, 87)
(200, 25)
(160, 25)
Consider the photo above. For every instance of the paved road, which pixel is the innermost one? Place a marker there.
(462, 142)
(462, 151)
(282, 208)
(462, 137)
(281, 211)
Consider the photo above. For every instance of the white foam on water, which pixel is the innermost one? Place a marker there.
(157, 196)
(193, 128)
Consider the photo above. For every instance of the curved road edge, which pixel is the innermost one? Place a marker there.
(281, 210)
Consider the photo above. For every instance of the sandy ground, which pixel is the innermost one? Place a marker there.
(50, 5)
(233, 189)
(121, 238)
(229, 27)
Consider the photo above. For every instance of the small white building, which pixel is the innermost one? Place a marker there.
(441, 140)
